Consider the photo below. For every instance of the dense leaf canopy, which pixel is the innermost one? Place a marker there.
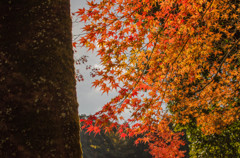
(180, 53)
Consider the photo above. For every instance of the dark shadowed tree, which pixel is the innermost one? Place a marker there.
(110, 145)
(38, 106)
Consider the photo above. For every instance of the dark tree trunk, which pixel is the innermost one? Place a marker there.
(38, 106)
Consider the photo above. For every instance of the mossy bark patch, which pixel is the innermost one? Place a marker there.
(38, 106)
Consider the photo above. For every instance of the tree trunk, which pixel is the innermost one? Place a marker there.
(38, 106)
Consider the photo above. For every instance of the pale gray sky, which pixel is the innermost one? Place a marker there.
(90, 99)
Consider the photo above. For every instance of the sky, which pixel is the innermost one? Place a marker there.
(90, 99)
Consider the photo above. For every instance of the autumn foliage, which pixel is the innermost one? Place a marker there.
(171, 61)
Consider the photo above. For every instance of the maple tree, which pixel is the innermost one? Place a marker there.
(179, 53)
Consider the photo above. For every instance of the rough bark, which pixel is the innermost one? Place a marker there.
(38, 106)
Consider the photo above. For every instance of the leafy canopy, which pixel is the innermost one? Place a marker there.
(180, 53)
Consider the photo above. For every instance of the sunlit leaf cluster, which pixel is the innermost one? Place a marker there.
(170, 61)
